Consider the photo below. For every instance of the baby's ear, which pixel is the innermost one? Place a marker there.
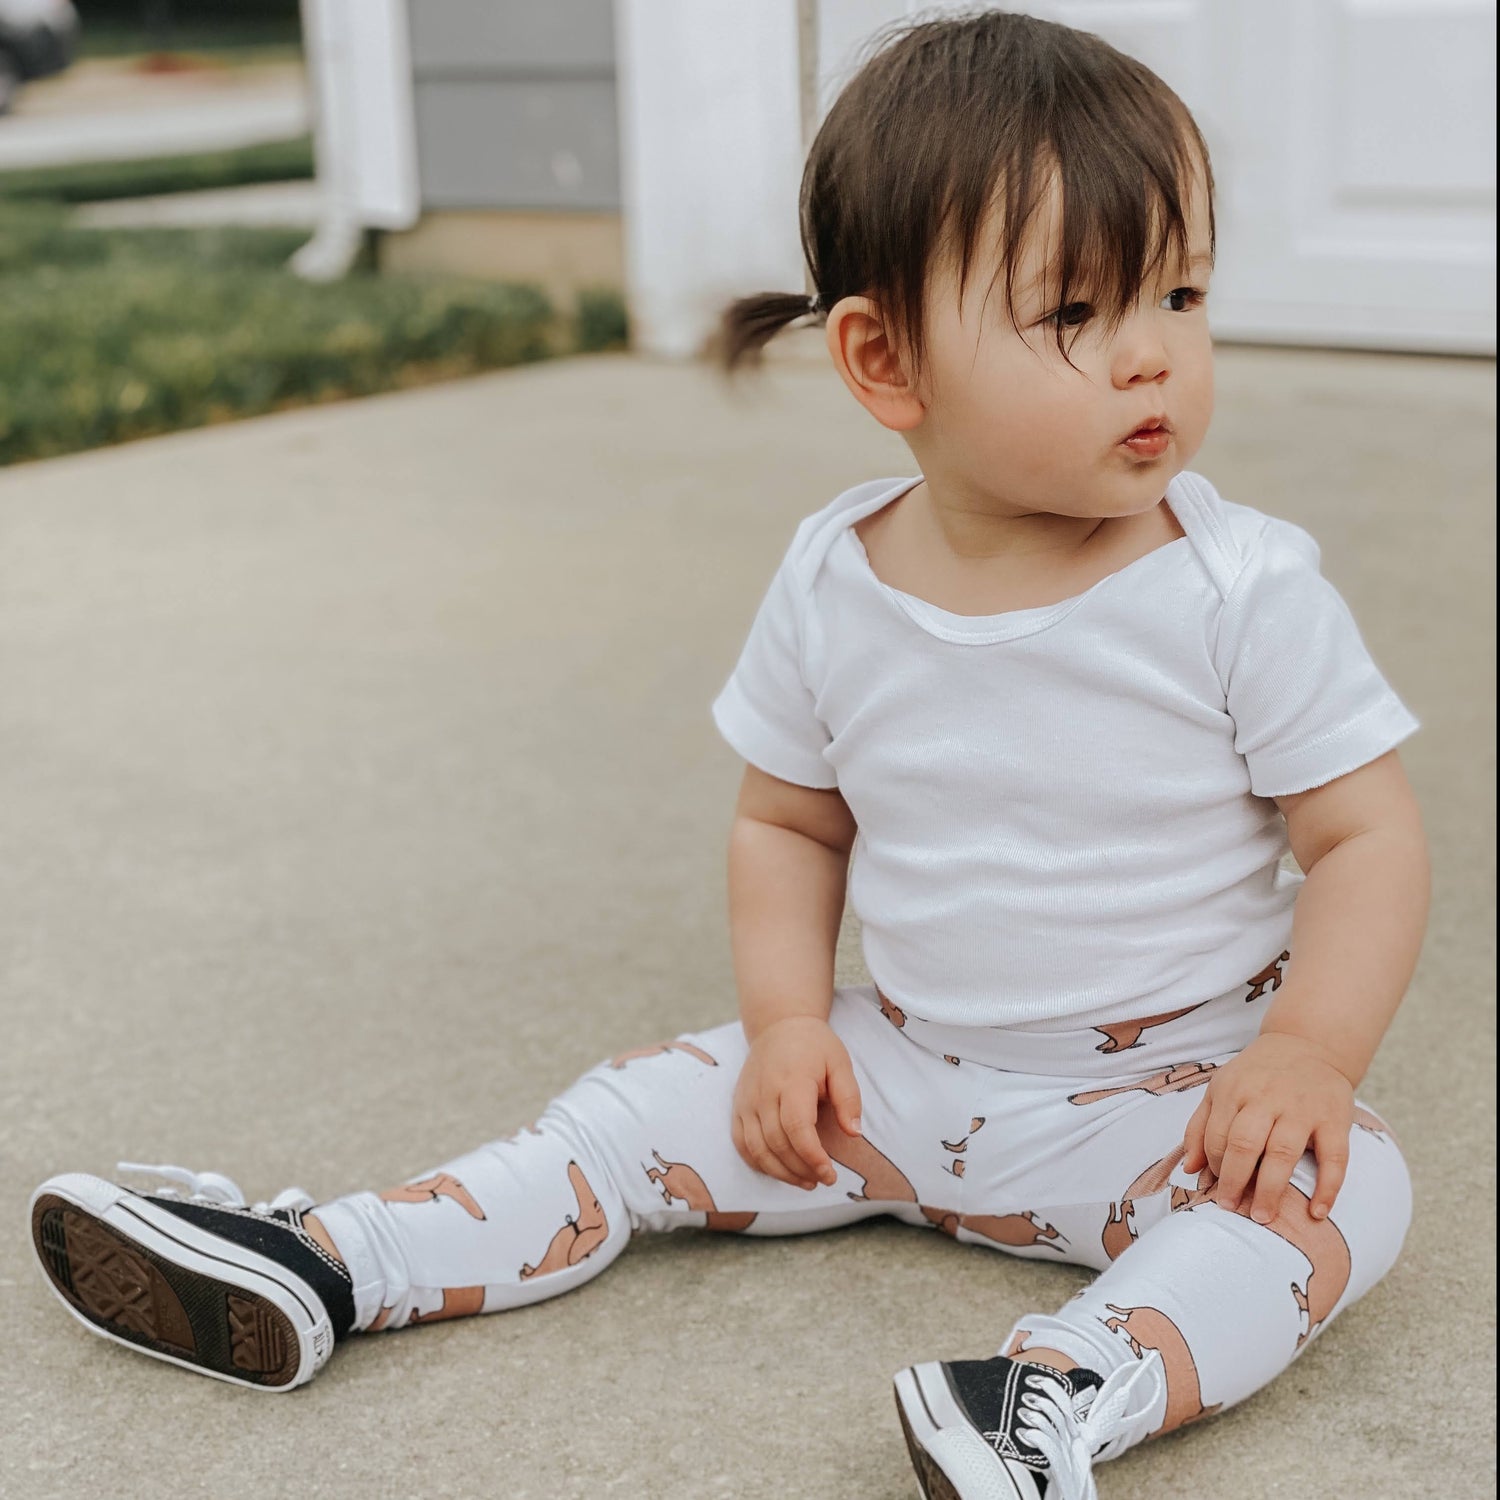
(865, 355)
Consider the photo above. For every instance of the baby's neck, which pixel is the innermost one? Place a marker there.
(972, 533)
(909, 550)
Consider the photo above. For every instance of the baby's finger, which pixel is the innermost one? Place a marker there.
(1284, 1148)
(1331, 1143)
(1245, 1141)
(781, 1149)
(756, 1151)
(1192, 1139)
(802, 1134)
(843, 1093)
(1216, 1135)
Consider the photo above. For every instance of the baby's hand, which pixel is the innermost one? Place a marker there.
(791, 1065)
(1257, 1116)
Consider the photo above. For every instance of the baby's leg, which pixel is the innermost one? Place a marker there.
(641, 1141)
(1226, 1302)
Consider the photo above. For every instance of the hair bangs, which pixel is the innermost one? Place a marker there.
(944, 149)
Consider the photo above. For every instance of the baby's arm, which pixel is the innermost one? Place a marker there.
(1356, 932)
(788, 860)
(1360, 915)
(788, 864)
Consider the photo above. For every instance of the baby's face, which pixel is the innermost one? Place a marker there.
(1011, 424)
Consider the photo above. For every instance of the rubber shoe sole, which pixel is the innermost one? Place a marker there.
(150, 1280)
(952, 1460)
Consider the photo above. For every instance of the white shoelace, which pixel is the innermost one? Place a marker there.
(1069, 1442)
(215, 1188)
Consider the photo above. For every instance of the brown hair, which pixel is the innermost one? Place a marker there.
(906, 164)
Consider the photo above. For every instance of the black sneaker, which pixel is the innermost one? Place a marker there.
(241, 1293)
(1005, 1429)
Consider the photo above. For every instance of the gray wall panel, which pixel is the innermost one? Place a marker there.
(497, 143)
(515, 36)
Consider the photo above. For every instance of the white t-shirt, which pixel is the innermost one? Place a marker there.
(1064, 811)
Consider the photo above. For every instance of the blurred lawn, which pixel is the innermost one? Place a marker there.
(107, 335)
(236, 43)
(90, 182)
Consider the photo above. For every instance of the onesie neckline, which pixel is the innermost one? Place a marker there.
(1009, 624)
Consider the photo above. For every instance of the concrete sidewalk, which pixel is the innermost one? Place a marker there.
(111, 111)
(360, 792)
(261, 205)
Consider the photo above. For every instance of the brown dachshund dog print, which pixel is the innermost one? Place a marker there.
(1270, 975)
(580, 1236)
(677, 1180)
(1121, 1036)
(890, 1010)
(458, 1302)
(1374, 1125)
(430, 1189)
(1014, 1230)
(962, 1145)
(1017, 1231)
(1326, 1249)
(1150, 1328)
(1119, 1230)
(658, 1048)
(1171, 1080)
(883, 1181)
(977, 1123)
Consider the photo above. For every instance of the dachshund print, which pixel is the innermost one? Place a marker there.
(1121, 1036)
(430, 1189)
(890, 1010)
(883, 1181)
(658, 1048)
(675, 1179)
(580, 1236)
(1326, 1249)
(1150, 1328)
(1014, 1230)
(1169, 1081)
(1017, 1231)
(963, 1145)
(1372, 1123)
(1270, 975)
(458, 1302)
(1119, 1230)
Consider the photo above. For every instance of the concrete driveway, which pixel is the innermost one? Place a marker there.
(359, 792)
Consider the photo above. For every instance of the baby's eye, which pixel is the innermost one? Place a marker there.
(1073, 315)
(1193, 295)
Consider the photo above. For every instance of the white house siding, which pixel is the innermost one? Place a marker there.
(515, 104)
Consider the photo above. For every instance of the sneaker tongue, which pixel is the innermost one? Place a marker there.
(1078, 1380)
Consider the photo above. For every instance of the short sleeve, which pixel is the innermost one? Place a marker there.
(1308, 702)
(766, 711)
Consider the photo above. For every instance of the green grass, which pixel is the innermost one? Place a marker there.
(242, 42)
(88, 182)
(107, 335)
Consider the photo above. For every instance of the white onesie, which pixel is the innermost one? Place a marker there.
(1064, 812)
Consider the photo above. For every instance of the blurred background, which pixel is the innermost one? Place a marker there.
(480, 182)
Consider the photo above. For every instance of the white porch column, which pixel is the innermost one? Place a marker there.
(365, 143)
(710, 161)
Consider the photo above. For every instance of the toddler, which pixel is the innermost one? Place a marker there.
(1057, 710)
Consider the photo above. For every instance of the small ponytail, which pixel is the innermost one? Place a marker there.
(748, 324)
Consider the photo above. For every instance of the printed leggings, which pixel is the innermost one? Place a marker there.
(1057, 1145)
